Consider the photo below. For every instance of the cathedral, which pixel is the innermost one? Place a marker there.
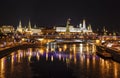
(28, 29)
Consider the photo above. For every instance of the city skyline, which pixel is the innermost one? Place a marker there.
(50, 13)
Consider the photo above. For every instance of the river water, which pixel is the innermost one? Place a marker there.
(58, 61)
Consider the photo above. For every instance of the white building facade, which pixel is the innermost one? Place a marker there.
(80, 28)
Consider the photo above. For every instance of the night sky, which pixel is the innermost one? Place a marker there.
(98, 13)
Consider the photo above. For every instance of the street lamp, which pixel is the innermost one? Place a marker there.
(40, 39)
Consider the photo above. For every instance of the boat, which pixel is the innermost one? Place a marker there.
(112, 48)
(100, 48)
(115, 53)
(104, 54)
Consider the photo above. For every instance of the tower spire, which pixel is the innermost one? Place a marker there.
(19, 28)
(104, 29)
(35, 26)
(84, 24)
(20, 25)
(67, 25)
(29, 26)
(89, 27)
(80, 25)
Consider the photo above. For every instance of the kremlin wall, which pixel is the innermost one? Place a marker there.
(68, 29)
(81, 28)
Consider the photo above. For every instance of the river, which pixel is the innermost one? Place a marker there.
(75, 60)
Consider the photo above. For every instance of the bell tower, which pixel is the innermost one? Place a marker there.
(67, 25)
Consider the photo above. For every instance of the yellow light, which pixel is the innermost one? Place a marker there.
(115, 71)
(51, 58)
(41, 51)
(65, 47)
(81, 48)
(52, 49)
(30, 55)
(47, 50)
(70, 56)
(18, 56)
(74, 48)
(23, 39)
(60, 49)
(93, 48)
(40, 39)
(67, 60)
(88, 63)
(87, 48)
(75, 60)
(38, 57)
(46, 57)
(97, 41)
(2, 65)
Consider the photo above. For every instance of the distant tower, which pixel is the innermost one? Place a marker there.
(54, 27)
(114, 34)
(104, 31)
(80, 25)
(84, 24)
(19, 28)
(89, 27)
(20, 25)
(35, 26)
(67, 25)
(29, 26)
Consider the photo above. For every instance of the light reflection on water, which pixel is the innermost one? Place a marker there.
(81, 58)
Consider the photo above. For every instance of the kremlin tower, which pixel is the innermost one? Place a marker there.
(84, 24)
(19, 28)
(67, 25)
(29, 26)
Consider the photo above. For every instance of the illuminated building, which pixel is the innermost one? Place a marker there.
(28, 30)
(7, 29)
(19, 28)
(70, 28)
(48, 31)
